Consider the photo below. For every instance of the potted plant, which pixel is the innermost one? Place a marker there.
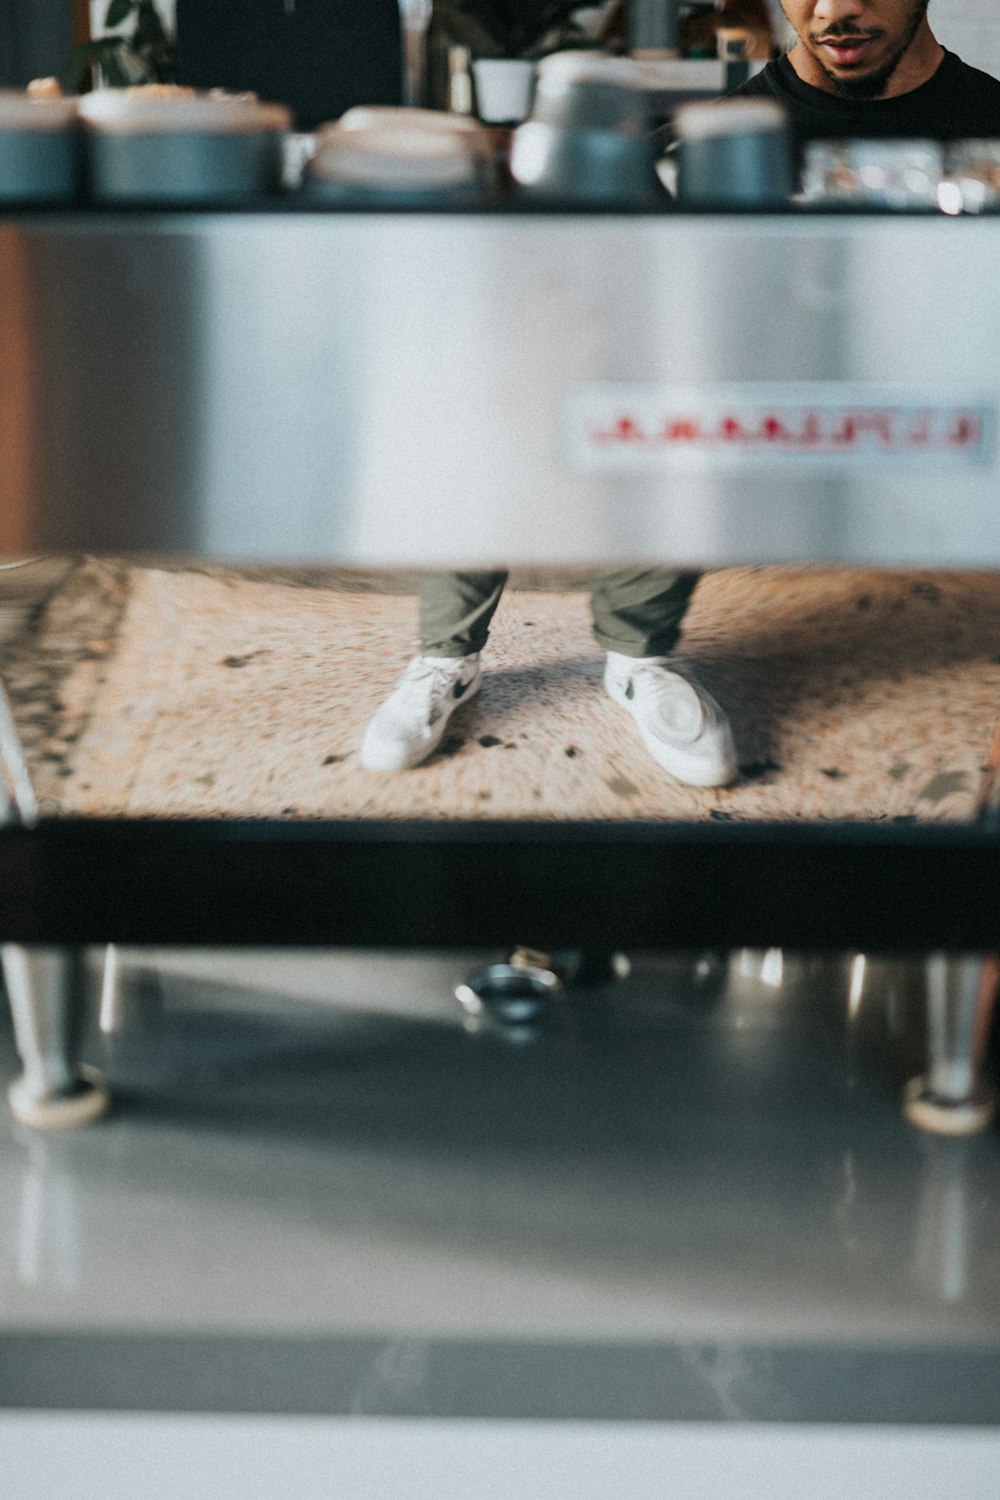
(146, 53)
(517, 28)
(509, 33)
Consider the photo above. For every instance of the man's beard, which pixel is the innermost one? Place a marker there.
(874, 85)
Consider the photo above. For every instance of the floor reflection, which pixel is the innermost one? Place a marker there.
(666, 1155)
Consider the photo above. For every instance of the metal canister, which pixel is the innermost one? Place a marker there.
(734, 153)
(974, 175)
(588, 139)
(182, 148)
(39, 148)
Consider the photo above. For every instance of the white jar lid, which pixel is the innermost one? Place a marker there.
(405, 118)
(161, 109)
(566, 69)
(20, 111)
(389, 147)
(717, 118)
(388, 159)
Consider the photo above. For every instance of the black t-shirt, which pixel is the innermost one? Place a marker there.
(957, 103)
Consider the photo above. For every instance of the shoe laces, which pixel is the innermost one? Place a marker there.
(426, 681)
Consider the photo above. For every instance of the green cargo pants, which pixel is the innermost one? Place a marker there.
(636, 613)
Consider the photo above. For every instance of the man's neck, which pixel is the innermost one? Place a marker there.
(918, 64)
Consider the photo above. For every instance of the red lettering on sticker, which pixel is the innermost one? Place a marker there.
(812, 429)
(919, 434)
(861, 431)
(625, 430)
(878, 424)
(965, 433)
(773, 430)
(683, 431)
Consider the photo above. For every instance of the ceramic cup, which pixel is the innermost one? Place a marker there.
(504, 88)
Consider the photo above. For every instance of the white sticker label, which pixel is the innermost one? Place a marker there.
(651, 426)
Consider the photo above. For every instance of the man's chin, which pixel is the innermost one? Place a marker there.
(867, 85)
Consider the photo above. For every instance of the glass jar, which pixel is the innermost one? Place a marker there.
(974, 175)
(873, 174)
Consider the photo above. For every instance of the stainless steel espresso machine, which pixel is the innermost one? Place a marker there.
(378, 390)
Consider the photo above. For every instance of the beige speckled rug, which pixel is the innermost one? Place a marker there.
(146, 691)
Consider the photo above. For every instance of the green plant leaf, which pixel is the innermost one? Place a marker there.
(520, 26)
(118, 11)
(149, 57)
(149, 31)
(111, 66)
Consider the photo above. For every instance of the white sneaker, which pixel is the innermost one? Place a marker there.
(411, 722)
(682, 726)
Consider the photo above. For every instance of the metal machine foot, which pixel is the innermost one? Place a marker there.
(45, 987)
(516, 1000)
(951, 1097)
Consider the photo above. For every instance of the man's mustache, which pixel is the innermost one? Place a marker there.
(848, 28)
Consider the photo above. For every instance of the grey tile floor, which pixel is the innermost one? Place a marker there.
(683, 1200)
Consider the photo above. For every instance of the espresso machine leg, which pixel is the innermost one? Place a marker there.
(45, 987)
(47, 996)
(951, 1097)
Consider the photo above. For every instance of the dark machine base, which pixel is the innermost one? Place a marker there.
(851, 887)
(930, 890)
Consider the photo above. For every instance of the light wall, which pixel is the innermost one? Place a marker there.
(971, 28)
(99, 9)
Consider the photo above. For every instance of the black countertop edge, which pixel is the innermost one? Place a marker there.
(862, 888)
(896, 833)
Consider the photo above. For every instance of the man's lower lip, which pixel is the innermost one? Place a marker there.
(848, 55)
